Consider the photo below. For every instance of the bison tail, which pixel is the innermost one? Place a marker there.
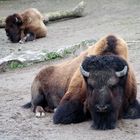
(27, 105)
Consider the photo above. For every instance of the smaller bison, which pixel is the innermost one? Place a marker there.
(25, 26)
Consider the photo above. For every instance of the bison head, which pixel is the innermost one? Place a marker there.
(105, 77)
(12, 27)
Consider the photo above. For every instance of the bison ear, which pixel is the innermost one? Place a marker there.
(18, 19)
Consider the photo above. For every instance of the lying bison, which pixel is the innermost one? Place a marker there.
(103, 87)
(25, 26)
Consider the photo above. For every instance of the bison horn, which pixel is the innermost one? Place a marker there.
(123, 72)
(17, 20)
(85, 73)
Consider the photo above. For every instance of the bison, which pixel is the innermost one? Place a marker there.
(69, 87)
(25, 26)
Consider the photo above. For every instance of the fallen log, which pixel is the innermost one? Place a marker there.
(53, 16)
(19, 58)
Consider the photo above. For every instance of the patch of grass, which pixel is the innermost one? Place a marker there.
(53, 55)
(67, 51)
(58, 54)
(15, 64)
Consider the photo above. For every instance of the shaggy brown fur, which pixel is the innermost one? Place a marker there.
(63, 83)
(25, 26)
(101, 48)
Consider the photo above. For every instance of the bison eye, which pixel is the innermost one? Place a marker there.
(91, 87)
(112, 87)
(11, 26)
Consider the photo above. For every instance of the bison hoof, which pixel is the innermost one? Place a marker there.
(55, 109)
(21, 42)
(39, 112)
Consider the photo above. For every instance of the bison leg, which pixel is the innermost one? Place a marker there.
(38, 104)
(69, 112)
(39, 112)
(133, 111)
(29, 37)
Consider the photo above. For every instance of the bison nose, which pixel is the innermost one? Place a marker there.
(102, 108)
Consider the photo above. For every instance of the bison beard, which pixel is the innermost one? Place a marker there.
(25, 26)
(63, 86)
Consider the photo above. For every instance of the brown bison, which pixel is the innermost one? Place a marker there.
(103, 87)
(25, 26)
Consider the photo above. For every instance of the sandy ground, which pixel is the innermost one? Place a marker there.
(101, 18)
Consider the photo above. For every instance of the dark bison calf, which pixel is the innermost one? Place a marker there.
(63, 86)
(25, 26)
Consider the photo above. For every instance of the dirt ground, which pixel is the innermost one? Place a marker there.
(101, 18)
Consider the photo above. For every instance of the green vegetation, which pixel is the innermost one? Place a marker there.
(15, 64)
(53, 55)
(56, 54)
